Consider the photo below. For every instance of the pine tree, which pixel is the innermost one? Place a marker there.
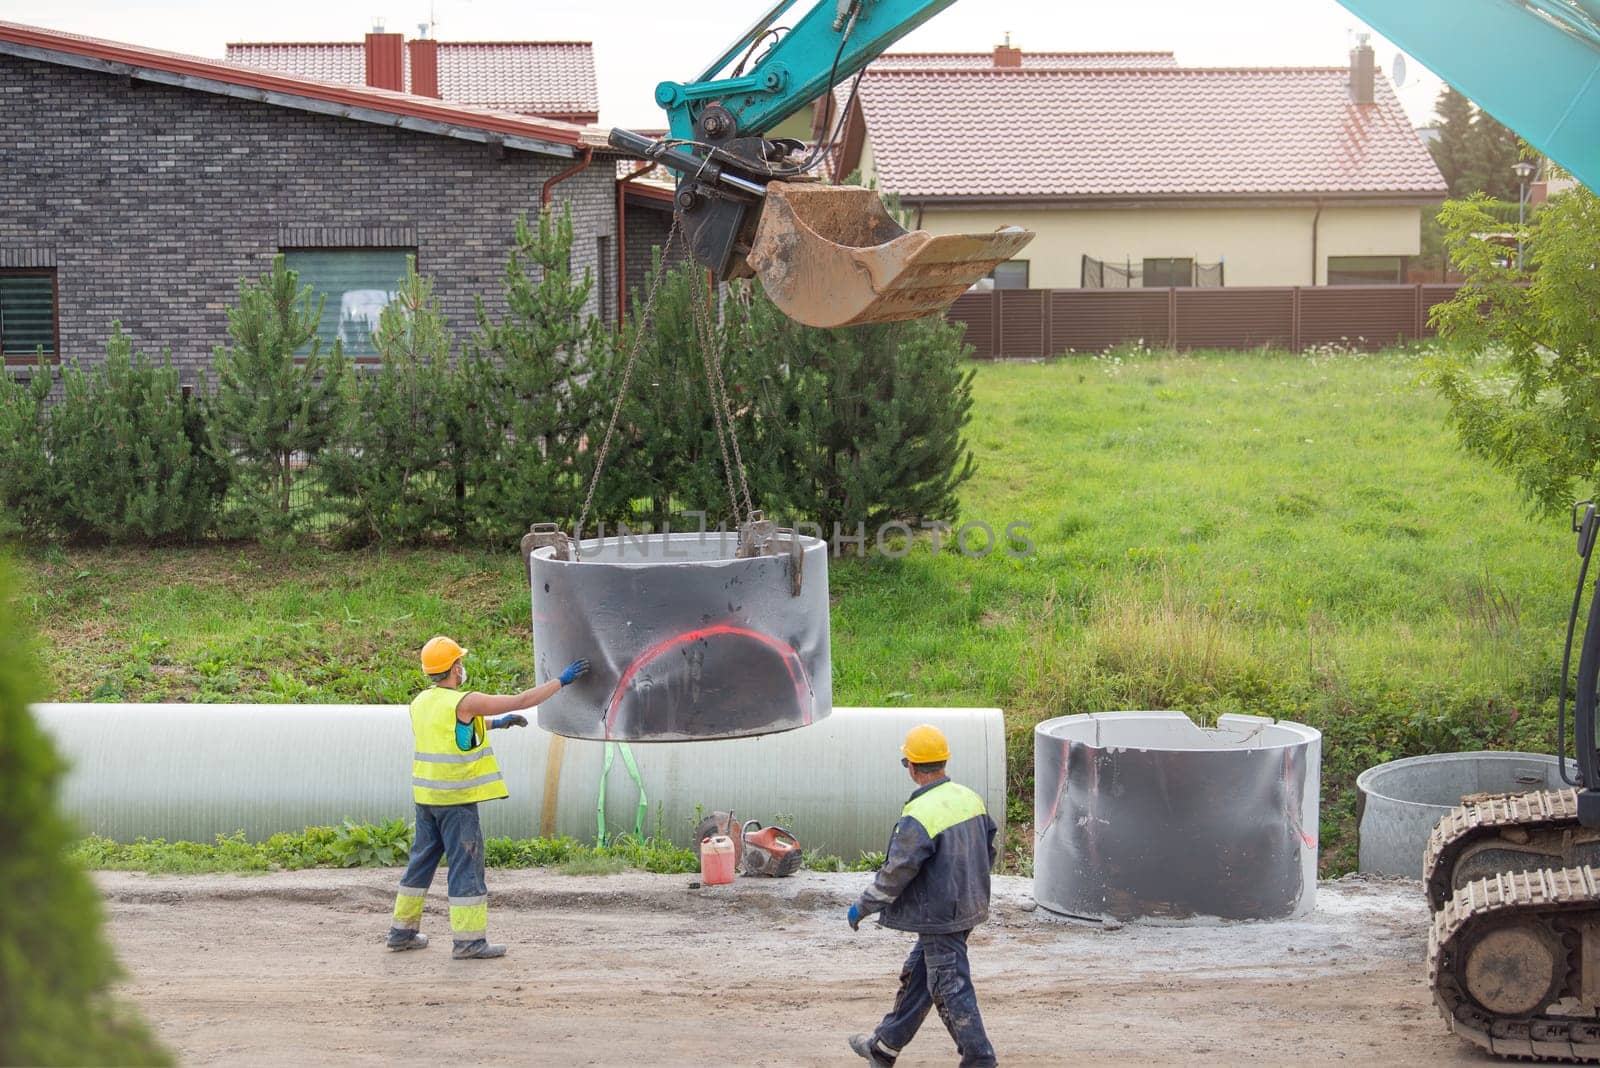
(861, 426)
(55, 968)
(1452, 149)
(531, 383)
(273, 410)
(1494, 153)
(667, 456)
(392, 466)
(25, 494)
(127, 463)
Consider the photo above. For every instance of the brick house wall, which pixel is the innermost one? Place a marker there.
(647, 230)
(151, 202)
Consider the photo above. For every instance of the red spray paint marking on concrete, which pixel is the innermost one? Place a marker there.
(791, 661)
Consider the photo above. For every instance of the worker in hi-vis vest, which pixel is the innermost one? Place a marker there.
(452, 769)
(934, 882)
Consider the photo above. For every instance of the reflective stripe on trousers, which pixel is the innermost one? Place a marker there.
(408, 908)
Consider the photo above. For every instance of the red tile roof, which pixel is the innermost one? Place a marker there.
(1041, 60)
(359, 102)
(550, 78)
(1131, 134)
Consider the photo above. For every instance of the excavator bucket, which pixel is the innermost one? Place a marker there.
(831, 255)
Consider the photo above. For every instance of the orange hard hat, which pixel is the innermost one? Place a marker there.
(926, 745)
(440, 653)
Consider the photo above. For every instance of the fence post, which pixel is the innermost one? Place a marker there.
(1172, 317)
(996, 332)
(1294, 321)
(1419, 318)
(1044, 323)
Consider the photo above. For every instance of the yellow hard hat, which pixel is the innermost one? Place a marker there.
(440, 653)
(926, 745)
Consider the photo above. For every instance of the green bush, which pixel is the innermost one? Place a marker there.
(25, 509)
(127, 453)
(55, 969)
(393, 468)
(274, 410)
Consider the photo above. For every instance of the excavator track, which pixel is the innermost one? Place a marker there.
(1505, 832)
(1514, 959)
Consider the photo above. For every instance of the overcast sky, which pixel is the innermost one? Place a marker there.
(638, 43)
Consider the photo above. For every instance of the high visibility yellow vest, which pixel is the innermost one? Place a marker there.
(441, 774)
(943, 807)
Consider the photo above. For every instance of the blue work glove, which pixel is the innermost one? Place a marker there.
(573, 672)
(510, 719)
(854, 916)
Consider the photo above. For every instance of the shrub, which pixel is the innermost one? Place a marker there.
(127, 453)
(393, 466)
(274, 410)
(55, 969)
(24, 464)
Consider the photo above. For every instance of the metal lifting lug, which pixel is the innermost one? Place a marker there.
(540, 535)
(755, 536)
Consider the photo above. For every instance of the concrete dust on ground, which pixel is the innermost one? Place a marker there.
(635, 969)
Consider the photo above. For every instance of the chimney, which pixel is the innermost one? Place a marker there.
(1362, 72)
(385, 62)
(424, 66)
(1006, 56)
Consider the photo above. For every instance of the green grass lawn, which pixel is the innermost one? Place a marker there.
(1256, 533)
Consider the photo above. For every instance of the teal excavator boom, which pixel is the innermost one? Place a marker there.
(1532, 64)
(749, 203)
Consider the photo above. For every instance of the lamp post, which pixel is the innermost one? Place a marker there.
(1524, 171)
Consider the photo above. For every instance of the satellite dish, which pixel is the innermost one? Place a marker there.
(1398, 71)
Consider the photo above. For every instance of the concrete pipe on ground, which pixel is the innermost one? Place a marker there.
(191, 772)
(685, 639)
(1400, 802)
(1144, 815)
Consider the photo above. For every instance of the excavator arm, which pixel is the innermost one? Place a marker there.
(1532, 64)
(748, 204)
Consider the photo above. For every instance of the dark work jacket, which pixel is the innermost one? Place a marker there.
(935, 879)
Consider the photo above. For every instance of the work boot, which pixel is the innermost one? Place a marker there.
(872, 1050)
(407, 940)
(479, 950)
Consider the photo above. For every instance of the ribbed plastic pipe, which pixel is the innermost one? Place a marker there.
(191, 772)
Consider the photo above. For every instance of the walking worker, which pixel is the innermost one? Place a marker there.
(452, 769)
(934, 882)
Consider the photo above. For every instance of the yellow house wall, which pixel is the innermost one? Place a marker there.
(1260, 246)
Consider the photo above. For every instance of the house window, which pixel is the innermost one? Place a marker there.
(356, 284)
(27, 314)
(1167, 272)
(1012, 274)
(1365, 270)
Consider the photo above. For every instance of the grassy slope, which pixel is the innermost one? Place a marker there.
(1264, 534)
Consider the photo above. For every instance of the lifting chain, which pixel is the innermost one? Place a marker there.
(721, 410)
(707, 335)
(645, 320)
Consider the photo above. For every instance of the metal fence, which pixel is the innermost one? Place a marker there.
(1013, 323)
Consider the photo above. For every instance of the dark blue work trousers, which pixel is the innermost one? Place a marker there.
(936, 975)
(451, 831)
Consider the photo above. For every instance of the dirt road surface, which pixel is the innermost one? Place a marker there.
(635, 969)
